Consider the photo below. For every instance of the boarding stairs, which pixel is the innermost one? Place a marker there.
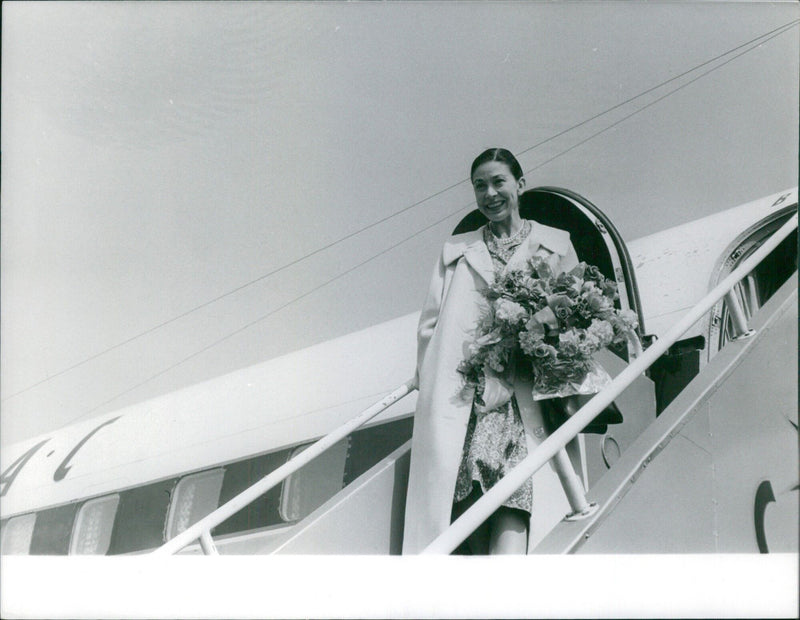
(655, 485)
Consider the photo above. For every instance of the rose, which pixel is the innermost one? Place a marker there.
(526, 311)
(533, 288)
(561, 305)
(609, 288)
(593, 273)
(567, 283)
(510, 283)
(543, 351)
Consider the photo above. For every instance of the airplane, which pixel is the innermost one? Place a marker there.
(706, 454)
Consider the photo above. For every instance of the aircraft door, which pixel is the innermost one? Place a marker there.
(594, 236)
(597, 242)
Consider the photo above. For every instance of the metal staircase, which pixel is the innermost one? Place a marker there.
(365, 516)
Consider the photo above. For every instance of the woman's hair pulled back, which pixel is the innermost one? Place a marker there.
(497, 154)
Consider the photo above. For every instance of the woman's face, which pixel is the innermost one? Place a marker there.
(497, 192)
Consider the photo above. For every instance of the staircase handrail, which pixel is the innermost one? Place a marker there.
(202, 529)
(482, 509)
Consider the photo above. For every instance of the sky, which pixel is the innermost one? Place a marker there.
(189, 188)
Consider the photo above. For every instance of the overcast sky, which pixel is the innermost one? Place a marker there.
(160, 155)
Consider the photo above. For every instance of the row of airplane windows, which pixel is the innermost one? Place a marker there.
(142, 518)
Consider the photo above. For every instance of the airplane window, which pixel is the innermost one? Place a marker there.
(141, 518)
(17, 535)
(52, 531)
(754, 290)
(261, 512)
(92, 532)
(313, 484)
(367, 447)
(195, 496)
(370, 445)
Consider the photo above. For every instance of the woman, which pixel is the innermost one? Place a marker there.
(459, 451)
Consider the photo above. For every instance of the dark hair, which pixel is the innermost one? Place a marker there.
(501, 155)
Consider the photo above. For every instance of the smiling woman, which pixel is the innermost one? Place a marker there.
(465, 440)
(160, 155)
(498, 182)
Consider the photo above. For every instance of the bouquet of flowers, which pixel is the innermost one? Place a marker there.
(546, 325)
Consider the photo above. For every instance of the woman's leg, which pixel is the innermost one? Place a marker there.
(476, 543)
(508, 532)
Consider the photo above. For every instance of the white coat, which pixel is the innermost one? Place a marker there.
(446, 329)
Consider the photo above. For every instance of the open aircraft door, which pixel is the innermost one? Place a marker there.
(597, 242)
(753, 291)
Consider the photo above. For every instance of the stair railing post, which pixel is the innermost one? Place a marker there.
(573, 487)
(207, 543)
(740, 327)
(484, 507)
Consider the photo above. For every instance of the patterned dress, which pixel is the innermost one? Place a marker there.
(495, 440)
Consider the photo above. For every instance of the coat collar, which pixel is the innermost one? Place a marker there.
(470, 245)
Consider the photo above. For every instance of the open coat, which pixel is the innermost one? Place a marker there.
(446, 329)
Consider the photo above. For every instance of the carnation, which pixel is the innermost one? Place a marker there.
(509, 311)
(554, 324)
(529, 339)
(597, 303)
(629, 319)
(588, 286)
(601, 331)
(568, 342)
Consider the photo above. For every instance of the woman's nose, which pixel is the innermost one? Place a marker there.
(491, 191)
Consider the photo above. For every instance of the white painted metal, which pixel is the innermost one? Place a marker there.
(365, 518)
(676, 267)
(271, 405)
(280, 403)
(207, 543)
(493, 498)
(740, 329)
(689, 485)
(573, 488)
(234, 505)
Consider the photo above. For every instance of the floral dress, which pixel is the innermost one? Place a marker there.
(495, 440)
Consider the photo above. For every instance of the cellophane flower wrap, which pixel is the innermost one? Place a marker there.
(547, 326)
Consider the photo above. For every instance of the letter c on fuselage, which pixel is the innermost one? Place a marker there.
(64, 467)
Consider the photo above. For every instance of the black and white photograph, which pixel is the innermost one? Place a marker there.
(310, 309)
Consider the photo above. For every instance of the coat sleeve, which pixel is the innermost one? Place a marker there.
(570, 259)
(429, 316)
